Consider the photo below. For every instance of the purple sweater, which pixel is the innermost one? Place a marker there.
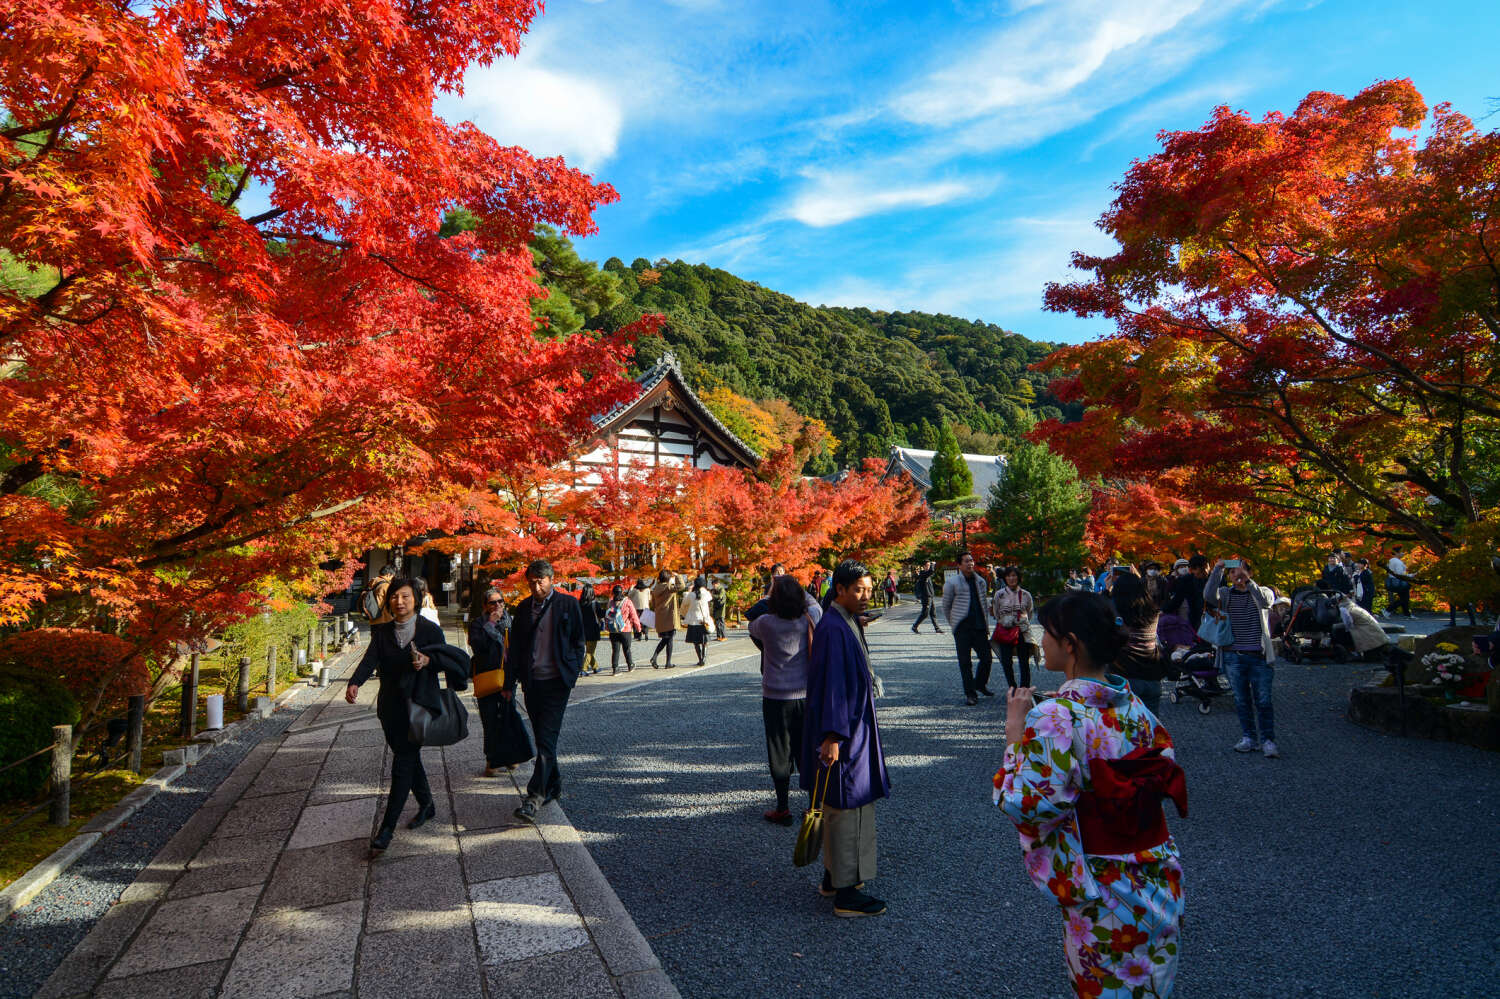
(784, 654)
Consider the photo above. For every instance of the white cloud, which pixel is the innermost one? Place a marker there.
(521, 102)
(835, 198)
(1002, 286)
(1041, 56)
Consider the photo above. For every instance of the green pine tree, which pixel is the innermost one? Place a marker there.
(951, 478)
(1038, 512)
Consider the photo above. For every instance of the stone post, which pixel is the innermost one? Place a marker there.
(271, 671)
(137, 719)
(62, 774)
(189, 718)
(242, 693)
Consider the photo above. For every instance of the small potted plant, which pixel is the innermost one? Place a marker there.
(1448, 670)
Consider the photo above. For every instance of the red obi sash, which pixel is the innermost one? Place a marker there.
(1122, 812)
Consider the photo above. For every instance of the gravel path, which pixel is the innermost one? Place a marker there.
(1357, 865)
(38, 936)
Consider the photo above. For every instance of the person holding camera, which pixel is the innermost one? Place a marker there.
(1084, 778)
(1249, 661)
(1013, 608)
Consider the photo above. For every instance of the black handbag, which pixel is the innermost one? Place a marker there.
(444, 728)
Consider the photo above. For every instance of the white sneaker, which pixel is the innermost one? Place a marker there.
(1245, 745)
(1269, 749)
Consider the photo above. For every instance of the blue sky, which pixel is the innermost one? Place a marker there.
(943, 156)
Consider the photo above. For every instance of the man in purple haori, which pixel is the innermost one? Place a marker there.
(839, 733)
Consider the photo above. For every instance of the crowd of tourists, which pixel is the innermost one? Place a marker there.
(1085, 771)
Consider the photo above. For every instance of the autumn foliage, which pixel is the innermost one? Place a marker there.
(1307, 329)
(193, 398)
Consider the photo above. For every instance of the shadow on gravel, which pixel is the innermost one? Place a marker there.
(1339, 870)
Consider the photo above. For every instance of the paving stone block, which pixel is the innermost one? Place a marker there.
(311, 737)
(263, 816)
(503, 853)
(420, 892)
(420, 961)
(198, 981)
(652, 984)
(333, 823)
(319, 875)
(333, 787)
(296, 756)
(523, 917)
(280, 780)
(228, 862)
(351, 737)
(572, 974)
(189, 931)
(297, 953)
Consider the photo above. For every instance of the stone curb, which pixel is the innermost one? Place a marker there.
(628, 957)
(28, 885)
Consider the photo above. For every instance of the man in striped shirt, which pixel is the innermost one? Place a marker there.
(1249, 661)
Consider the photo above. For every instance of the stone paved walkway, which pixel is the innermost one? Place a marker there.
(268, 890)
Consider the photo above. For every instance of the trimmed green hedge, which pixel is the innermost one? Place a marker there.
(30, 704)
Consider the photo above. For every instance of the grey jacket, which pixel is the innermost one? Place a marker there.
(956, 599)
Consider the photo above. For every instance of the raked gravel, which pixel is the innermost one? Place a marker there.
(1357, 865)
(35, 939)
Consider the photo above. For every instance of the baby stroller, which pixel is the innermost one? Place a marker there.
(1314, 629)
(1198, 668)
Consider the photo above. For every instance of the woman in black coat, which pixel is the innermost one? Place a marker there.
(395, 656)
(506, 743)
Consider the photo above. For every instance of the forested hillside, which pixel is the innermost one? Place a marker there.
(873, 378)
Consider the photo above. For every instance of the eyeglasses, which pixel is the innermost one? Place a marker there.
(492, 603)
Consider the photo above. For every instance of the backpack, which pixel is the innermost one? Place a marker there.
(370, 604)
(616, 620)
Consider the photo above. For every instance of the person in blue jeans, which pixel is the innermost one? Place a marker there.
(1249, 660)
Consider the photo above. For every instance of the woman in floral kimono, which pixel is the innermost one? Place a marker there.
(1083, 780)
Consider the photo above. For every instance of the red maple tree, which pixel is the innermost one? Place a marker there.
(195, 398)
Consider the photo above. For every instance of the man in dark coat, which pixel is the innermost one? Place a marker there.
(546, 655)
(924, 594)
(1334, 577)
(841, 749)
(1364, 585)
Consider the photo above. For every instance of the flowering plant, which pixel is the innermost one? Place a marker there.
(1447, 667)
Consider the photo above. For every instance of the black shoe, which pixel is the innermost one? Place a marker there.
(527, 811)
(937, 631)
(914, 629)
(851, 903)
(382, 840)
(971, 700)
(987, 692)
(423, 814)
(653, 664)
(827, 890)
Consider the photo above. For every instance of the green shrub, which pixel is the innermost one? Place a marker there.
(30, 704)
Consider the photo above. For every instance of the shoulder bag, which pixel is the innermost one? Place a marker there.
(1215, 629)
(445, 728)
(810, 836)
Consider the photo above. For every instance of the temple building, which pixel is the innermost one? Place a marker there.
(667, 424)
(917, 465)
